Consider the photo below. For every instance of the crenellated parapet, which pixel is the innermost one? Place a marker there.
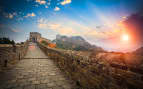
(9, 53)
(89, 74)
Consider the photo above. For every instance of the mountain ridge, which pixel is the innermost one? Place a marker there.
(74, 43)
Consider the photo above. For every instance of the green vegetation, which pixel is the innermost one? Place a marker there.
(6, 41)
(44, 42)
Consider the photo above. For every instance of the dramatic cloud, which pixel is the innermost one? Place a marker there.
(58, 27)
(56, 9)
(134, 26)
(66, 2)
(64, 30)
(71, 28)
(30, 15)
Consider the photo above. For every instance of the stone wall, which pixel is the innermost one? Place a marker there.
(12, 53)
(92, 74)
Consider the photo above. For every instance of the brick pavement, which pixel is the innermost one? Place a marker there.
(34, 73)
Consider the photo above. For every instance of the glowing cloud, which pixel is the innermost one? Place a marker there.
(69, 28)
(66, 2)
(30, 15)
(56, 9)
(41, 1)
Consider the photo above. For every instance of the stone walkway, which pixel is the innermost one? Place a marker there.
(34, 73)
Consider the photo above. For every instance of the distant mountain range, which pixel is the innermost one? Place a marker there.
(74, 43)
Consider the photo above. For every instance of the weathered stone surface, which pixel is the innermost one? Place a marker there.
(18, 88)
(33, 73)
(10, 54)
(30, 87)
(91, 74)
(41, 86)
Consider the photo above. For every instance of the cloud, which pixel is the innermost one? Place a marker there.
(10, 15)
(70, 28)
(48, 26)
(106, 35)
(64, 30)
(42, 21)
(30, 15)
(20, 19)
(66, 2)
(133, 25)
(15, 30)
(68, 31)
(7, 30)
(56, 9)
(45, 24)
(48, 3)
(56, 27)
(41, 2)
(74, 28)
(46, 7)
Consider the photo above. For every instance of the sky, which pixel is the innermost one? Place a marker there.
(97, 21)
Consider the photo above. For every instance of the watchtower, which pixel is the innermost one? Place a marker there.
(35, 36)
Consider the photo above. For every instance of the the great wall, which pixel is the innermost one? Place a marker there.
(89, 74)
(12, 53)
(37, 70)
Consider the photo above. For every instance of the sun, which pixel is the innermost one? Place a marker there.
(125, 37)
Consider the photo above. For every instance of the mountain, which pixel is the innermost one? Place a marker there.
(74, 43)
(139, 51)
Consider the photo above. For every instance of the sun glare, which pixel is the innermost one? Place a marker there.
(125, 37)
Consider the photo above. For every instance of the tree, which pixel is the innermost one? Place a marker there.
(5, 40)
(44, 42)
(12, 42)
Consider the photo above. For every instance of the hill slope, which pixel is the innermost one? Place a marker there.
(74, 43)
(139, 51)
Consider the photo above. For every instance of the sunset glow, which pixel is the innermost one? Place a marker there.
(71, 44)
(101, 22)
(125, 37)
